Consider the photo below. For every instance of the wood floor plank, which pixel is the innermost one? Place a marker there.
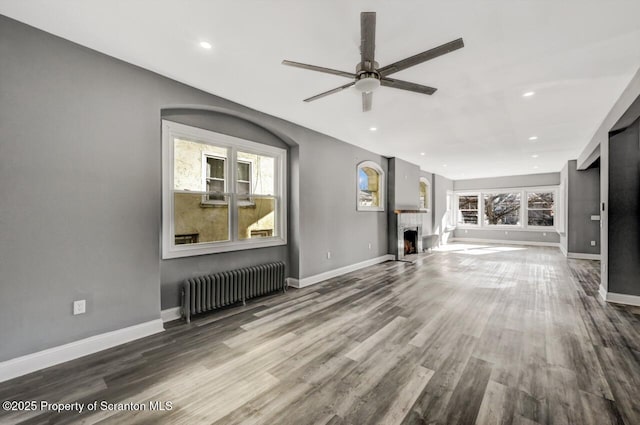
(483, 334)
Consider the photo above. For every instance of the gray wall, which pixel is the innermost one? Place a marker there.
(80, 179)
(583, 202)
(404, 184)
(624, 207)
(528, 180)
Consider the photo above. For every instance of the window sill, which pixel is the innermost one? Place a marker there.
(180, 251)
(507, 228)
(374, 209)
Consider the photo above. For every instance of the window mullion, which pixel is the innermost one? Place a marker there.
(233, 199)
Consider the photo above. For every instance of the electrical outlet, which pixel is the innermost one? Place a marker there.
(506, 233)
(369, 245)
(328, 255)
(79, 307)
(544, 234)
(593, 243)
(466, 231)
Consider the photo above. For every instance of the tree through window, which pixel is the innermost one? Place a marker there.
(502, 208)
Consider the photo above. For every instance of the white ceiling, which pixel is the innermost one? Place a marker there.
(577, 56)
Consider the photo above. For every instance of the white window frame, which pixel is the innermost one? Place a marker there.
(427, 201)
(205, 199)
(523, 226)
(456, 205)
(554, 209)
(381, 186)
(172, 130)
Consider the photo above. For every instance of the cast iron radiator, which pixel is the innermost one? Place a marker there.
(205, 293)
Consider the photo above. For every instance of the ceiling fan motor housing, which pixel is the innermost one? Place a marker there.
(367, 76)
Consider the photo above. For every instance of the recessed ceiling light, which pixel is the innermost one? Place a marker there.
(422, 153)
(533, 138)
(535, 155)
(444, 165)
(535, 167)
(205, 45)
(528, 94)
(373, 128)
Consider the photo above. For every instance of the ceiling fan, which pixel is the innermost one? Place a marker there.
(369, 76)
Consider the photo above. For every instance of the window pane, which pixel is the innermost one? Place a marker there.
(256, 217)
(423, 195)
(540, 218)
(368, 185)
(468, 202)
(540, 200)
(259, 171)
(502, 209)
(215, 168)
(244, 188)
(198, 222)
(188, 168)
(468, 209)
(244, 171)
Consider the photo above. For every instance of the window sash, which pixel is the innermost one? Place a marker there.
(172, 131)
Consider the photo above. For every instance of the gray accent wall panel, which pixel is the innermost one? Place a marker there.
(584, 201)
(624, 204)
(80, 178)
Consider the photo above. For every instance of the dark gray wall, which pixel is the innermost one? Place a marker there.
(624, 204)
(584, 201)
(527, 180)
(80, 179)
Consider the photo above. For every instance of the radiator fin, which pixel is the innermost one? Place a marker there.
(206, 293)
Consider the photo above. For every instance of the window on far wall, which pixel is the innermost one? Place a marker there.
(425, 194)
(502, 209)
(468, 209)
(370, 187)
(540, 209)
(220, 193)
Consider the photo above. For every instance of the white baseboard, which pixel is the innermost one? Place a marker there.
(52, 356)
(563, 249)
(170, 314)
(505, 242)
(602, 292)
(620, 298)
(301, 283)
(580, 256)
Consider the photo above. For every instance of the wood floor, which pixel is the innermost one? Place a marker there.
(468, 335)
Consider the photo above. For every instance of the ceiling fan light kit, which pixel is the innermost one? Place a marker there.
(369, 76)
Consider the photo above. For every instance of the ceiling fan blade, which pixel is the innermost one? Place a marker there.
(319, 69)
(405, 85)
(421, 57)
(367, 101)
(367, 36)
(327, 93)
